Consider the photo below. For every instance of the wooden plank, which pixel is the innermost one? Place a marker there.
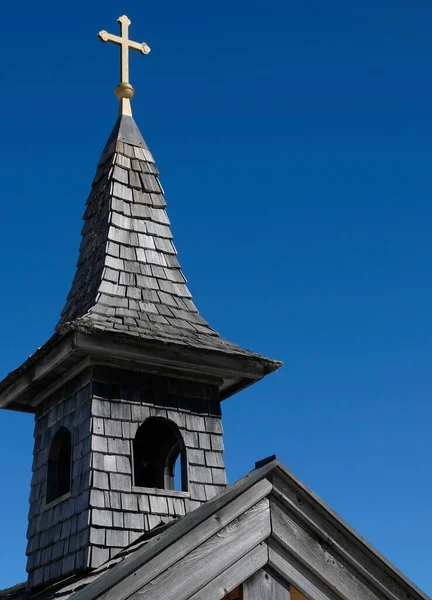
(122, 580)
(318, 557)
(235, 575)
(186, 577)
(293, 571)
(354, 549)
(266, 585)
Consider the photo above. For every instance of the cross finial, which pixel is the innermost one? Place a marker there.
(124, 91)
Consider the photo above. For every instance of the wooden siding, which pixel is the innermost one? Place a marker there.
(266, 585)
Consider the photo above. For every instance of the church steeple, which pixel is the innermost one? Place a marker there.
(127, 392)
(128, 277)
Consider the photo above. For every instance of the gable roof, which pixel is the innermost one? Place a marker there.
(267, 518)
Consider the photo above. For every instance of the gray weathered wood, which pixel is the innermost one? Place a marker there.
(319, 558)
(295, 572)
(208, 560)
(265, 585)
(235, 575)
(179, 540)
(342, 539)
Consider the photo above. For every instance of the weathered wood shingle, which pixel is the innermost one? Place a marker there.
(128, 278)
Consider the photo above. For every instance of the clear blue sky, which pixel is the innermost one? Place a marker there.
(294, 139)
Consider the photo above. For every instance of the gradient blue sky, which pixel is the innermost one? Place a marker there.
(294, 143)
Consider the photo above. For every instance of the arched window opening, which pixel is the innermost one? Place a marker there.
(178, 473)
(158, 456)
(59, 465)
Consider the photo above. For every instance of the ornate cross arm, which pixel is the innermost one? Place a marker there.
(124, 91)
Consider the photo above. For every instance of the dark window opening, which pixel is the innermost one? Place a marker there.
(59, 466)
(158, 456)
(236, 594)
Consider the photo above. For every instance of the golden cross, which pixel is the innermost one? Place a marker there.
(124, 91)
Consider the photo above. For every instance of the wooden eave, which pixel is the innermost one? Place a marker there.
(71, 350)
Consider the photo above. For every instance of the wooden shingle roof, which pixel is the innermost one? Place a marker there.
(128, 276)
(129, 290)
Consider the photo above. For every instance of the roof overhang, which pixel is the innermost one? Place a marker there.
(69, 352)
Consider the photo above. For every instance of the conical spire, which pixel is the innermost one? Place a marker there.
(128, 277)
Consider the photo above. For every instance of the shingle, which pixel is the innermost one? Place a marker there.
(101, 518)
(147, 282)
(165, 245)
(117, 538)
(200, 474)
(157, 200)
(114, 263)
(136, 165)
(142, 197)
(121, 191)
(120, 482)
(135, 180)
(123, 161)
(219, 476)
(129, 502)
(128, 254)
(148, 155)
(134, 521)
(112, 289)
(155, 258)
(146, 241)
(159, 230)
(159, 216)
(121, 175)
(167, 286)
(140, 210)
(158, 504)
(121, 221)
(127, 278)
(214, 459)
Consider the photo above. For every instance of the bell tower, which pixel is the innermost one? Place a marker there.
(127, 392)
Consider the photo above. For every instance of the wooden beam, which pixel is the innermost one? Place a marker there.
(266, 585)
(186, 577)
(293, 571)
(349, 547)
(234, 576)
(319, 558)
(352, 548)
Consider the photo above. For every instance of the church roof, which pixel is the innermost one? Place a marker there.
(129, 284)
(128, 277)
(269, 519)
